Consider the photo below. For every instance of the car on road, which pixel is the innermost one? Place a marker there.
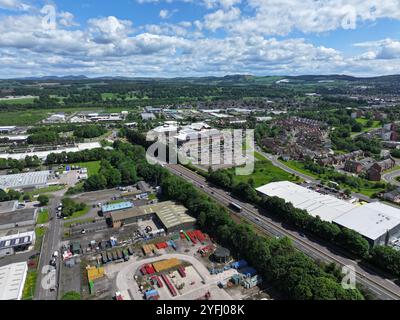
(83, 231)
(53, 262)
(302, 235)
(55, 254)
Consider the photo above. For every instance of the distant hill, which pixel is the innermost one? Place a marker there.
(228, 79)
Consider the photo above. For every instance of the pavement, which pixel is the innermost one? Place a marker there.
(379, 284)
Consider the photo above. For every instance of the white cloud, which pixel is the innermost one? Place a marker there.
(66, 19)
(13, 5)
(112, 46)
(164, 14)
(220, 18)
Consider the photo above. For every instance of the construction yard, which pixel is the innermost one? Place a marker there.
(179, 266)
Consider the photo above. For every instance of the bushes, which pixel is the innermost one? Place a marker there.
(70, 207)
(386, 258)
(10, 195)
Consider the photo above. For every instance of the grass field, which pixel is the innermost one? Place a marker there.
(18, 101)
(265, 172)
(30, 285)
(22, 118)
(39, 233)
(93, 167)
(43, 217)
(298, 166)
(363, 121)
(44, 190)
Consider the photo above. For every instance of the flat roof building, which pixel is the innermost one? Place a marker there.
(172, 216)
(316, 204)
(43, 154)
(376, 222)
(18, 218)
(12, 281)
(17, 242)
(8, 206)
(25, 180)
(108, 208)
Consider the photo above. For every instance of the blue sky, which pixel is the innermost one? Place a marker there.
(171, 38)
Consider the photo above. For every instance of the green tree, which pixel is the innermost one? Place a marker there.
(43, 199)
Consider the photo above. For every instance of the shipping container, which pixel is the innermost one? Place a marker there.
(169, 285)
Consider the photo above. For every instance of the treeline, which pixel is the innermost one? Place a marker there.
(387, 259)
(19, 165)
(50, 135)
(10, 195)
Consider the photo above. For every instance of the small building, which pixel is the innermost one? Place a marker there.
(144, 187)
(17, 242)
(249, 283)
(55, 118)
(147, 116)
(221, 255)
(392, 196)
(7, 129)
(171, 216)
(12, 280)
(108, 208)
(76, 247)
(353, 166)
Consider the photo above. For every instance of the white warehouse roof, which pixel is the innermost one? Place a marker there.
(326, 207)
(24, 180)
(371, 220)
(12, 280)
(43, 154)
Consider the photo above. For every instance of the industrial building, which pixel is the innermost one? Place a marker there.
(171, 216)
(8, 206)
(325, 206)
(221, 255)
(38, 179)
(16, 242)
(378, 223)
(43, 154)
(18, 218)
(108, 208)
(12, 280)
